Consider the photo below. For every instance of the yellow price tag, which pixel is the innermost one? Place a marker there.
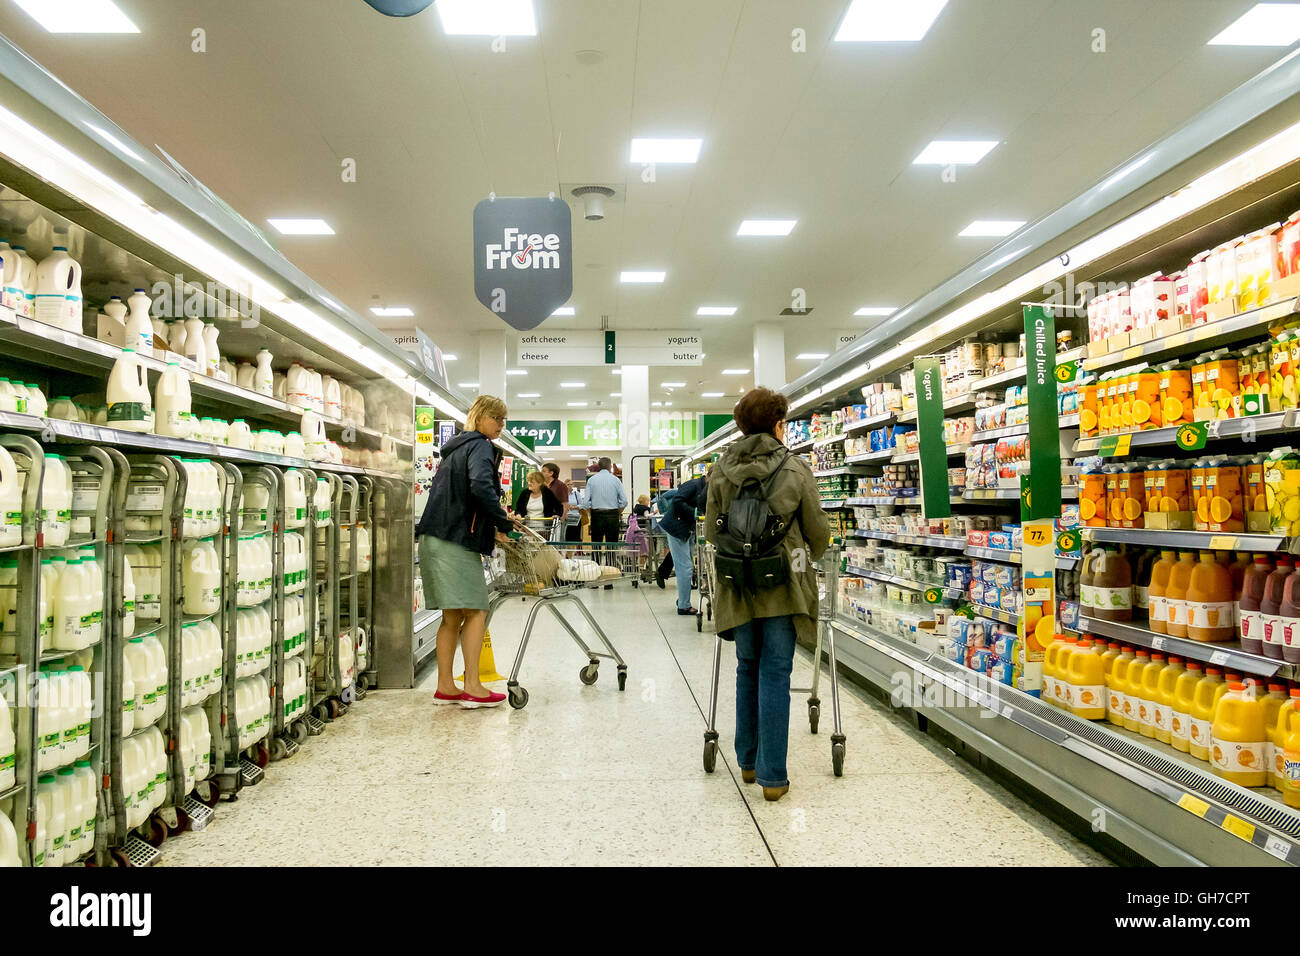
(424, 438)
(1122, 444)
(1222, 542)
(1238, 827)
(1037, 535)
(1193, 804)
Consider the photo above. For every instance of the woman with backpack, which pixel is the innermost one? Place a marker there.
(767, 595)
(462, 521)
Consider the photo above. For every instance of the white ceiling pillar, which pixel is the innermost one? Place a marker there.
(769, 355)
(492, 364)
(634, 413)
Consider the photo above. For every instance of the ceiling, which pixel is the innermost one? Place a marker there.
(286, 91)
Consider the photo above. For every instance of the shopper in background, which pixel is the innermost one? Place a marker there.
(641, 508)
(678, 509)
(766, 621)
(462, 521)
(606, 499)
(576, 503)
(558, 488)
(536, 500)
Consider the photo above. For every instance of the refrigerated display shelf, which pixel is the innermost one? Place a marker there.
(12, 791)
(885, 454)
(1228, 655)
(999, 494)
(1191, 540)
(954, 451)
(897, 500)
(1017, 374)
(1231, 330)
(863, 424)
(926, 541)
(833, 504)
(58, 653)
(1069, 421)
(881, 576)
(828, 440)
(958, 403)
(801, 446)
(844, 469)
(1062, 755)
(996, 614)
(1064, 562)
(1244, 429)
(993, 434)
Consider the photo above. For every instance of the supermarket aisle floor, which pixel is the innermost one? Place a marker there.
(586, 775)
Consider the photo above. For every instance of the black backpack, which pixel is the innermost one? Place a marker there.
(748, 553)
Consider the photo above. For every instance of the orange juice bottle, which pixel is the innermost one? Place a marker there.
(1092, 496)
(1280, 732)
(1237, 738)
(1088, 420)
(1061, 686)
(1131, 488)
(1225, 497)
(1108, 658)
(1210, 606)
(1201, 410)
(1117, 686)
(1087, 680)
(1127, 392)
(1133, 699)
(1273, 702)
(1175, 492)
(1110, 413)
(1157, 600)
(1052, 651)
(1291, 760)
(1166, 698)
(1150, 704)
(1200, 505)
(1180, 578)
(1176, 394)
(1180, 718)
(1147, 413)
(1208, 692)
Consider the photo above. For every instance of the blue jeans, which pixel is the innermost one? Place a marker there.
(680, 549)
(764, 659)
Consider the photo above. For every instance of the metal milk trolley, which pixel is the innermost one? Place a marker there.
(828, 570)
(529, 566)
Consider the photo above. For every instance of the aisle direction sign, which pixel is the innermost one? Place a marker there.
(523, 258)
(1044, 499)
(542, 432)
(936, 501)
(609, 347)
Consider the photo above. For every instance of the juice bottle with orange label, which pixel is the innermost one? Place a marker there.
(1133, 699)
(1273, 701)
(1166, 698)
(1131, 488)
(1282, 388)
(1087, 680)
(1201, 410)
(1208, 692)
(1149, 708)
(1088, 420)
(1127, 397)
(1200, 506)
(1237, 738)
(1157, 592)
(1180, 719)
(1225, 500)
(1180, 579)
(1092, 495)
(1176, 394)
(1147, 413)
(1209, 601)
(1117, 686)
(1280, 731)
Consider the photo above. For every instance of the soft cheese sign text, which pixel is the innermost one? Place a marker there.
(523, 263)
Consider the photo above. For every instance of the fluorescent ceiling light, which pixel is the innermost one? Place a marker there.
(766, 227)
(78, 16)
(665, 150)
(616, 371)
(668, 404)
(954, 152)
(811, 356)
(467, 384)
(992, 227)
(672, 384)
(711, 394)
(1264, 24)
(529, 395)
(487, 18)
(302, 227)
(656, 404)
(641, 276)
(391, 312)
(516, 371)
(448, 357)
(577, 404)
(615, 394)
(735, 371)
(876, 310)
(573, 385)
(883, 21)
(716, 310)
(564, 310)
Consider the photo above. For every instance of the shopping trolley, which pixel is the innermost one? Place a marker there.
(513, 570)
(828, 570)
(706, 574)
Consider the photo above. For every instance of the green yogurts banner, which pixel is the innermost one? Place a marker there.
(929, 432)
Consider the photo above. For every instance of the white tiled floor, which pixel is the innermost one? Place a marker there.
(588, 775)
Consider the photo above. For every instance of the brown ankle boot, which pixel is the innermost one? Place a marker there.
(749, 776)
(773, 794)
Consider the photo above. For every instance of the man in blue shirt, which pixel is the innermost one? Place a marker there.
(606, 499)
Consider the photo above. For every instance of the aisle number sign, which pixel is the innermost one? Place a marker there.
(935, 500)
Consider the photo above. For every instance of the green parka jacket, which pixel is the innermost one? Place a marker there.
(793, 492)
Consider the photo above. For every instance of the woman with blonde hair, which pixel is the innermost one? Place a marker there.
(462, 521)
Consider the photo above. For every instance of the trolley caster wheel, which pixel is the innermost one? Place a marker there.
(518, 697)
(333, 708)
(363, 684)
(119, 858)
(814, 713)
(321, 712)
(349, 694)
(590, 673)
(278, 750)
(298, 733)
(837, 759)
(622, 679)
(156, 831)
(710, 755)
(261, 755)
(214, 794)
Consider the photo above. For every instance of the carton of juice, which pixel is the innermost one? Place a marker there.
(1288, 251)
(1147, 412)
(1176, 394)
(1151, 482)
(1198, 287)
(1224, 498)
(1125, 393)
(1282, 490)
(1131, 489)
(1257, 267)
(1088, 420)
(1092, 496)
(1109, 413)
(1182, 299)
(1256, 495)
(1096, 322)
(1220, 393)
(1122, 313)
(1142, 307)
(1201, 410)
(1163, 298)
(1226, 258)
(1114, 502)
(1282, 392)
(1200, 506)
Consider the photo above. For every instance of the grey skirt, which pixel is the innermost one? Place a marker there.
(452, 576)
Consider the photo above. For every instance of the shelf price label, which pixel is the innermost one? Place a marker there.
(1193, 805)
(1069, 542)
(1191, 436)
(1067, 371)
(933, 595)
(1114, 446)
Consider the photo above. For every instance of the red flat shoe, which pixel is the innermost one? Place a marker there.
(440, 698)
(491, 700)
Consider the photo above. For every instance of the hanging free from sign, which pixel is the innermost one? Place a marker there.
(523, 251)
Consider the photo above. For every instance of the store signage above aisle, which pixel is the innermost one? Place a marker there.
(542, 432)
(665, 431)
(523, 258)
(594, 347)
(1043, 499)
(417, 342)
(935, 499)
(843, 337)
